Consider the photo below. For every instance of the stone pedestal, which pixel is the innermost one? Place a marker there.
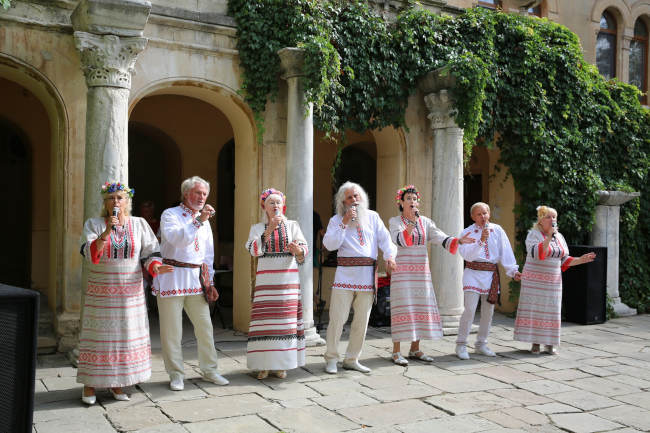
(447, 197)
(606, 234)
(300, 176)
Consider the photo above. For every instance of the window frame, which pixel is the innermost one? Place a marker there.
(644, 42)
(613, 33)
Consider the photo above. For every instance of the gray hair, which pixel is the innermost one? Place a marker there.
(189, 183)
(477, 204)
(339, 198)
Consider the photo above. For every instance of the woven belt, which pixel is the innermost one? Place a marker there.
(495, 287)
(178, 264)
(355, 261)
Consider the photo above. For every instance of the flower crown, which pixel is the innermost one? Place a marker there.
(402, 191)
(117, 186)
(267, 192)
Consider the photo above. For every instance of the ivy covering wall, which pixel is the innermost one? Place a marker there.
(522, 84)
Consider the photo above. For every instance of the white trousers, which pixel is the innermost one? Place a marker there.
(170, 312)
(340, 303)
(466, 320)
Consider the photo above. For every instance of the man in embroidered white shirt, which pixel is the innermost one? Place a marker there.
(186, 243)
(356, 232)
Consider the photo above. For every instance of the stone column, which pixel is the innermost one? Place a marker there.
(109, 38)
(108, 62)
(300, 175)
(605, 233)
(447, 197)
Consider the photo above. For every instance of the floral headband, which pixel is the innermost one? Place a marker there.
(402, 191)
(267, 192)
(117, 187)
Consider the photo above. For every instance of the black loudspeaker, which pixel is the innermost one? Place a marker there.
(18, 334)
(584, 287)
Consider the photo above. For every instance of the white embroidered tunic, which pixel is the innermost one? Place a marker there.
(184, 239)
(497, 249)
(358, 241)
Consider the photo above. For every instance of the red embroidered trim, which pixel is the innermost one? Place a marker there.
(540, 251)
(180, 292)
(354, 286)
(94, 254)
(477, 289)
(566, 263)
(362, 242)
(408, 239)
(131, 237)
(153, 274)
(454, 246)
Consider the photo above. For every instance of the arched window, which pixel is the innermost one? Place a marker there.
(606, 46)
(490, 4)
(639, 58)
(535, 11)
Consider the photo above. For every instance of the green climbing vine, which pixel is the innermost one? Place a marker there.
(522, 84)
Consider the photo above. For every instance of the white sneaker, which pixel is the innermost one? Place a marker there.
(330, 366)
(355, 365)
(461, 352)
(176, 384)
(216, 379)
(483, 349)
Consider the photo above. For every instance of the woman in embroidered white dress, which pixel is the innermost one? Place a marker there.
(276, 336)
(414, 311)
(540, 299)
(114, 344)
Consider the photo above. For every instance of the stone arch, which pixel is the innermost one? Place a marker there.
(619, 8)
(247, 169)
(639, 10)
(29, 77)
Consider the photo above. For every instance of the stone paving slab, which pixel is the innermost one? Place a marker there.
(627, 415)
(603, 386)
(521, 396)
(584, 400)
(464, 383)
(312, 419)
(640, 399)
(204, 409)
(344, 400)
(166, 428)
(471, 402)
(138, 417)
(550, 408)
(545, 387)
(583, 423)
(507, 374)
(402, 392)
(238, 424)
(386, 414)
(456, 424)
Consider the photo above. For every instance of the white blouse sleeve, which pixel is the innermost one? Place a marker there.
(255, 243)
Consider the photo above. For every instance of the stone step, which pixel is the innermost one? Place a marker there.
(46, 344)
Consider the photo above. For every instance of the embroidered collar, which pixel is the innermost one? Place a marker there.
(188, 210)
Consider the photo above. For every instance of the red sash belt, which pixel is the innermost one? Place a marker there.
(495, 287)
(178, 264)
(361, 261)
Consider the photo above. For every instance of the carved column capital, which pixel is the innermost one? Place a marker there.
(108, 60)
(293, 62)
(441, 110)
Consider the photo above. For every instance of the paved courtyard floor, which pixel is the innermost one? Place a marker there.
(599, 381)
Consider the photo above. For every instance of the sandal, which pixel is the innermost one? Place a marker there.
(535, 349)
(280, 374)
(263, 374)
(420, 355)
(399, 359)
(550, 349)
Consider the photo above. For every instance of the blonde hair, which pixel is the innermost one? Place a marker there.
(542, 211)
(127, 210)
(477, 204)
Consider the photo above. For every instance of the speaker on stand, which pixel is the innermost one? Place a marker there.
(18, 335)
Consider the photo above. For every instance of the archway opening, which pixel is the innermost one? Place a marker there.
(25, 163)
(171, 138)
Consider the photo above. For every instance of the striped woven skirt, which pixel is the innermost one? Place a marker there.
(540, 302)
(414, 311)
(114, 344)
(276, 336)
